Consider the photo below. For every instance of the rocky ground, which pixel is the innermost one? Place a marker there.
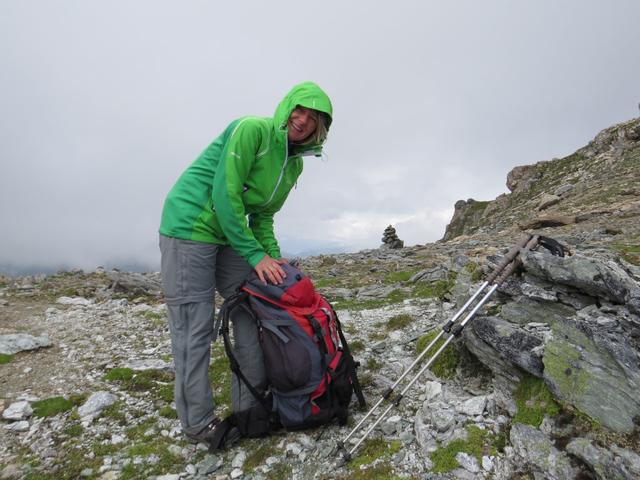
(542, 384)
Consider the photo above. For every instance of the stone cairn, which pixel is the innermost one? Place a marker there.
(390, 239)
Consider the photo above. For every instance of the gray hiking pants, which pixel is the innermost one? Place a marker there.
(191, 272)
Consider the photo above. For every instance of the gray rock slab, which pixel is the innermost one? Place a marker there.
(595, 368)
(606, 464)
(535, 449)
(473, 406)
(509, 342)
(97, 402)
(593, 276)
(12, 343)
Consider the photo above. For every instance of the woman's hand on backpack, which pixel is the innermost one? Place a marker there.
(269, 269)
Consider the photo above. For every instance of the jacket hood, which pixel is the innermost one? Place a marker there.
(305, 94)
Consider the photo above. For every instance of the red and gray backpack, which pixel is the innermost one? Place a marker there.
(310, 371)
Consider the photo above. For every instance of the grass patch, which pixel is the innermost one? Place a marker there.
(73, 431)
(51, 406)
(356, 346)
(157, 382)
(629, 252)
(383, 471)
(4, 358)
(399, 277)
(220, 378)
(115, 411)
(119, 375)
(373, 364)
(479, 442)
(398, 322)
(168, 412)
(279, 471)
(258, 456)
(437, 289)
(445, 365)
(372, 449)
(534, 400)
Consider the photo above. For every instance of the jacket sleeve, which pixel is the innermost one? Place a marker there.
(262, 226)
(262, 222)
(238, 156)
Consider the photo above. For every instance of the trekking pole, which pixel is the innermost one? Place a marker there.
(502, 271)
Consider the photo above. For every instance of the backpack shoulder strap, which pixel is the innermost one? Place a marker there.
(237, 300)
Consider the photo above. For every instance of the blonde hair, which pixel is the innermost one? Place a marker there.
(319, 135)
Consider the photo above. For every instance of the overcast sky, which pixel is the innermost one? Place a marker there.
(104, 104)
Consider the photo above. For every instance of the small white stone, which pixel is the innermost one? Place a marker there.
(294, 449)
(116, 439)
(21, 426)
(236, 473)
(18, 411)
(270, 461)
(469, 463)
(239, 459)
(191, 469)
(27, 370)
(432, 390)
(487, 463)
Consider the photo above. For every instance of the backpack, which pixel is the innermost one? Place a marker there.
(311, 374)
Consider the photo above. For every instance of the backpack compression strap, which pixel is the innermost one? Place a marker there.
(354, 376)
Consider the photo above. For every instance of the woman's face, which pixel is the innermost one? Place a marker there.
(302, 123)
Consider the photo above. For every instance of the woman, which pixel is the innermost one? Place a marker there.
(217, 225)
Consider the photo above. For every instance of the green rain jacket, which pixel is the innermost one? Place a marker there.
(230, 193)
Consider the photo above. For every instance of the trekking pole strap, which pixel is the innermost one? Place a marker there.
(509, 257)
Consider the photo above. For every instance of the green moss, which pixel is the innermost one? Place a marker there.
(474, 270)
(398, 322)
(561, 362)
(445, 365)
(478, 443)
(51, 406)
(534, 400)
(373, 449)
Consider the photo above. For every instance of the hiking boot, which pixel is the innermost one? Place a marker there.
(219, 434)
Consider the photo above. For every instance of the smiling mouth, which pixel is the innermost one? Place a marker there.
(296, 127)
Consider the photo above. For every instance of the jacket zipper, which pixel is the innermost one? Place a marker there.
(284, 166)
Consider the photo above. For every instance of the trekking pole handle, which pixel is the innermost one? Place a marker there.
(531, 244)
(508, 258)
